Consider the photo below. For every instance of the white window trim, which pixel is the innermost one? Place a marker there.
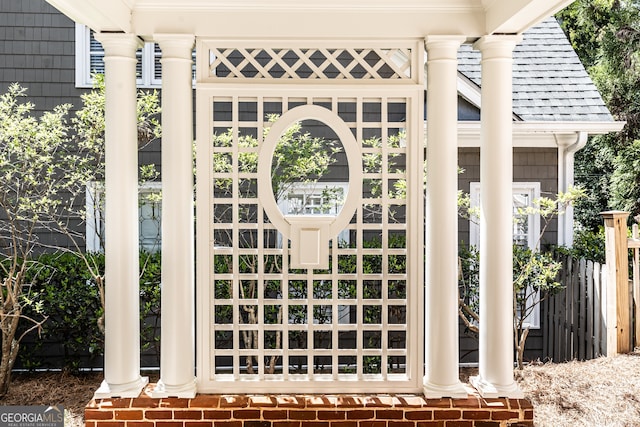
(533, 190)
(83, 63)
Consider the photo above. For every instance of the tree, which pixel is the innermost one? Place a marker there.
(29, 190)
(534, 272)
(606, 36)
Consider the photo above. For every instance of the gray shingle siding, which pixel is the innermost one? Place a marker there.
(38, 52)
(549, 81)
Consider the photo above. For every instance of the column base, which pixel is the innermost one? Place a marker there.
(187, 390)
(454, 391)
(490, 391)
(128, 390)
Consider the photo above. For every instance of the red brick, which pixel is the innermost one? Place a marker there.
(140, 424)
(476, 415)
(390, 414)
(344, 424)
(360, 414)
(290, 401)
(349, 402)
(514, 404)
(89, 424)
(216, 415)
(275, 414)
(227, 423)
(488, 424)
(116, 402)
(285, 424)
(459, 424)
(303, 415)
(452, 414)
(197, 424)
(470, 402)
(187, 415)
(204, 401)
(439, 403)
(246, 414)
(128, 415)
(318, 424)
(332, 415)
(378, 401)
(504, 415)
(318, 402)
(528, 414)
(525, 404)
(522, 424)
(158, 415)
(256, 423)
(421, 414)
(174, 402)
(145, 402)
(234, 401)
(430, 424)
(372, 423)
(98, 414)
(168, 424)
(401, 424)
(110, 423)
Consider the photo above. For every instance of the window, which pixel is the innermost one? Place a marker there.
(526, 228)
(90, 54)
(321, 198)
(149, 217)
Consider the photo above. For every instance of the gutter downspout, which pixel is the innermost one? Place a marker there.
(566, 153)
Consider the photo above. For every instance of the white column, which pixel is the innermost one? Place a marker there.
(441, 290)
(496, 224)
(122, 298)
(177, 357)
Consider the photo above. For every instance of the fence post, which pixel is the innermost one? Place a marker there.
(617, 257)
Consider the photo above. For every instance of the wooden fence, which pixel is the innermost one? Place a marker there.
(598, 311)
(574, 323)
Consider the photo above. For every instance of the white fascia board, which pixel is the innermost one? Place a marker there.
(112, 15)
(537, 134)
(469, 90)
(516, 16)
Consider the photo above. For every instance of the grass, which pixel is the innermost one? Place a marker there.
(603, 392)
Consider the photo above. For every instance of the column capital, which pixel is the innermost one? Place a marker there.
(442, 46)
(119, 44)
(497, 46)
(175, 46)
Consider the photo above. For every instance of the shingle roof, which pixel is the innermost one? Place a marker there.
(549, 81)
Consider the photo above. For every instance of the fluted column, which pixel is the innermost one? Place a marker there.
(177, 357)
(122, 298)
(496, 354)
(441, 290)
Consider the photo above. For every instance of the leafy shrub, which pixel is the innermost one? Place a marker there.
(67, 294)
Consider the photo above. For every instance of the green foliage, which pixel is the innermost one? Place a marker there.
(606, 36)
(69, 296)
(625, 180)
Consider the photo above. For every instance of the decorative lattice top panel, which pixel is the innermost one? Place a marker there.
(231, 62)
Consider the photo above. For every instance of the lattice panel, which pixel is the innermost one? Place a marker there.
(309, 63)
(275, 324)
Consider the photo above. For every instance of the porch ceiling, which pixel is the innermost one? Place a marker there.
(310, 18)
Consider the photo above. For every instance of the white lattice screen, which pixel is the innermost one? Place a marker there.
(357, 324)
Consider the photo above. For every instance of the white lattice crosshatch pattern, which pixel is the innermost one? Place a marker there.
(355, 324)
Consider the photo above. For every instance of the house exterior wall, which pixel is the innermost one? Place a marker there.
(529, 165)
